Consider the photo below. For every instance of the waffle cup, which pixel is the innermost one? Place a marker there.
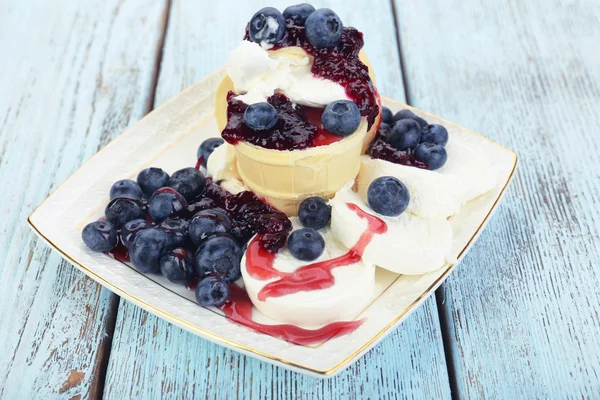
(285, 178)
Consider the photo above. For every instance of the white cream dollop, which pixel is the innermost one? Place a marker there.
(352, 289)
(411, 245)
(221, 166)
(258, 74)
(436, 194)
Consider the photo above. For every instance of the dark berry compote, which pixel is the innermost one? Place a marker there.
(382, 150)
(298, 127)
(339, 64)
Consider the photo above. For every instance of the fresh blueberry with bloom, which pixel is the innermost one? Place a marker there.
(324, 28)
(152, 179)
(298, 13)
(388, 196)
(126, 188)
(147, 249)
(164, 203)
(212, 291)
(434, 134)
(99, 236)
(306, 244)
(176, 266)
(434, 155)
(207, 222)
(341, 117)
(207, 147)
(177, 229)
(260, 116)
(189, 182)
(121, 210)
(130, 230)
(219, 254)
(314, 213)
(404, 114)
(386, 115)
(267, 27)
(405, 134)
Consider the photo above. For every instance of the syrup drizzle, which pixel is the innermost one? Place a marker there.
(259, 263)
(239, 309)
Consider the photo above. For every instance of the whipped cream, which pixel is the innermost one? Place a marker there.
(352, 289)
(436, 194)
(221, 167)
(411, 245)
(258, 74)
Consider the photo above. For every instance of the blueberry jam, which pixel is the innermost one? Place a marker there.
(297, 128)
(382, 150)
(250, 216)
(300, 127)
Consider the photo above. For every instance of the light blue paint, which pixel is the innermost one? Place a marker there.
(524, 305)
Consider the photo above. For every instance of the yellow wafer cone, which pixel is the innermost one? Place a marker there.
(285, 178)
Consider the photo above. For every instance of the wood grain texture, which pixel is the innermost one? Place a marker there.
(74, 75)
(153, 359)
(524, 306)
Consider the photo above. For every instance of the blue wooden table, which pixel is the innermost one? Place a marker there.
(520, 318)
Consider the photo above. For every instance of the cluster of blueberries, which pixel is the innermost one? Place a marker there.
(143, 216)
(323, 27)
(307, 244)
(341, 117)
(407, 131)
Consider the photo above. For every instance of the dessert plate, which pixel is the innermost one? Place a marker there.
(168, 138)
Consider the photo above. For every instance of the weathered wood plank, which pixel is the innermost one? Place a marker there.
(74, 75)
(153, 359)
(523, 307)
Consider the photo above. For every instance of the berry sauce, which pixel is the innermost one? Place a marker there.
(339, 64)
(298, 127)
(120, 252)
(250, 216)
(315, 276)
(380, 149)
(239, 308)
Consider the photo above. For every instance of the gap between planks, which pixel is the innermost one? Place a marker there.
(439, 293)
(97, 391)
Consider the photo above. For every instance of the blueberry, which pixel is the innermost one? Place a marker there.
(189, 182)
(178, 231)
(385, 130)
(207, 222)
(298, 13)
(99, 236)
(434, 155)
(165, 202)
(386, 115)
(260, 116)
(405, 134)
(125, 188)
(207, 147)
(324, 28)
(212, 291)
(124, 209)
(388, 196)
(306, 244)
(341, 117)
(152, 179)
(434, 134)
(219, 254)
(177, 267)
(147, 249)
(130, 230)
(404, 114)
(314, 213)
(267, 26)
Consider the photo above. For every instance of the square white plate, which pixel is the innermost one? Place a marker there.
(168, 138)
